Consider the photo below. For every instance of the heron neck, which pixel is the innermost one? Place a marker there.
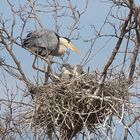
(62, 49)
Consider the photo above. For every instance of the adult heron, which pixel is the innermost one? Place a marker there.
(46, 42)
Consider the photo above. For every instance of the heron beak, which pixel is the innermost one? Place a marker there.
(71, 46)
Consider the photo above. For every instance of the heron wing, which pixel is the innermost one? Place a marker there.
(46, 40)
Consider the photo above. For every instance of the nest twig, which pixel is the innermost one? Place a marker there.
(66, 107)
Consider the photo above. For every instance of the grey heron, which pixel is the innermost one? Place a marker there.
(66, 72)
(77, 70)
(46, 42)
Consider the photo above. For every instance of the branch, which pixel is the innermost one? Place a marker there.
(118, 44)
(23, 77)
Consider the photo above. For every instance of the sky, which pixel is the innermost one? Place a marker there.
(94, 15)
(91, 17)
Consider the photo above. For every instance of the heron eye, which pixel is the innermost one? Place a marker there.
(67, 39)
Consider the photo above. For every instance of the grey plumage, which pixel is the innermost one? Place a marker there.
(66, 67)
(66, 72)
(47, 42)
(43, 42)
(77, 70)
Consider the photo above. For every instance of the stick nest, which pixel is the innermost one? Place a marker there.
(68, 106)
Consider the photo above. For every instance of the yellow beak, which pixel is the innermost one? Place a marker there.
(71, 46)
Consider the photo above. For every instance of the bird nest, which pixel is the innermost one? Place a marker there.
(68, 106)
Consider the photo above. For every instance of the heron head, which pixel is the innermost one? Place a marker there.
(67, 43)
(66, 66)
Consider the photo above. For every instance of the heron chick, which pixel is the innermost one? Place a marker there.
(78, 70)
(66, 72)
(47, 42)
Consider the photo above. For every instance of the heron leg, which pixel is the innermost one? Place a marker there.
(49, 70)
(34, 67)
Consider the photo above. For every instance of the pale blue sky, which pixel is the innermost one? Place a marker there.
(95, 14)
